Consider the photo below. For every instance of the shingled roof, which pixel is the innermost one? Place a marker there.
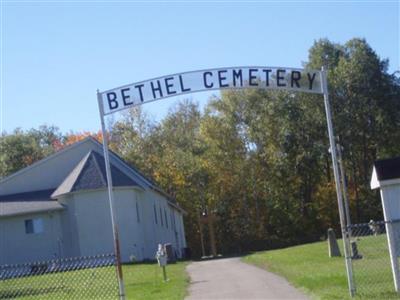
(31, 202)
(89, 174)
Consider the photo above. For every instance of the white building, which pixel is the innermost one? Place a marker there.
(386, 177)
(58, 207)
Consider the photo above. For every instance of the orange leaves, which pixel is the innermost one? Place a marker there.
(76, 137)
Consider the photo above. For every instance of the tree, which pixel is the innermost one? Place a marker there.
(22, 148)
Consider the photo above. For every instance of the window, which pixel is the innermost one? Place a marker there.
(155, 214)
(166, 219)
(34, 226)
(172, 220)
(161, 217)
(137, 212)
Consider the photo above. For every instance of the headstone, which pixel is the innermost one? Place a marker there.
(354, 251)
(332, 244)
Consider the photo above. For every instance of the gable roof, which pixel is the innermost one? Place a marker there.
(385, 170)
(149, 182)
(39, 162)
(90, 173)
(24, 203)
(89, 143)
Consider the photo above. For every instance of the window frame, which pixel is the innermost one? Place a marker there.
(34, 225)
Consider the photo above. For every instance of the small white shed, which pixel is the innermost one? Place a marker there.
(386, 177)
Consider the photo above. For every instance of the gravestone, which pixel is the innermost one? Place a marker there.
(332, 244)
(354, 251)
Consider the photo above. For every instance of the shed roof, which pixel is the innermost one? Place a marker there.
(31, 202)
(43, 195)
(385, 170)
(90, 173)
(15, 208)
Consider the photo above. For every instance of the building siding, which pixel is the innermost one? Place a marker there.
(83, 227)
(19, 247)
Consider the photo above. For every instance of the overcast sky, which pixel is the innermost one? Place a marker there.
(55, 55)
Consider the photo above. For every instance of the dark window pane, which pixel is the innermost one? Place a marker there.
(29, 226)
(155, 214)
(137, 213)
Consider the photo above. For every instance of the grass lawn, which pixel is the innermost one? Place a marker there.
(145, 281)
(142, 281)
(309, 268)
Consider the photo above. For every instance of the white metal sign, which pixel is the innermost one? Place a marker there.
(212, 79)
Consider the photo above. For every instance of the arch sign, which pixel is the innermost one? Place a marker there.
(213, 79)
(277, 78)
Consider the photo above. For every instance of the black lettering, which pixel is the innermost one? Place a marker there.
(139, 87)
(296, 76)
(111, 98)
(280, 77)
(237, 75)
(251, 77)
(310, 80)
(156, 89)
(182, 87)
(267, 71)
(205, 80)
(125, 97)
(169, 85)
(221, 78)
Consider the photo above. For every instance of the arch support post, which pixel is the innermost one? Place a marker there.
(111, 202)
(339, 190)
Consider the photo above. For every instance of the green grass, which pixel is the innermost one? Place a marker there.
(142, 281)
(309, 268)
(145, 281)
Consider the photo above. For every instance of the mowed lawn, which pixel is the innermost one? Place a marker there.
(142, 281)
(309, 268)
(145, 281)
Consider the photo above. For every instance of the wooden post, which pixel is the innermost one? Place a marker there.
(203, 252)
(211, 219)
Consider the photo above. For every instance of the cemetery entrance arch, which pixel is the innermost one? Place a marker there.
(258, 77)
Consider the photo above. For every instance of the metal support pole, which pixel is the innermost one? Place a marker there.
(164, 274)
(346, 242)
(344, 189)
(111, 202)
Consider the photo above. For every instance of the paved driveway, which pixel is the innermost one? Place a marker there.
(229, 278)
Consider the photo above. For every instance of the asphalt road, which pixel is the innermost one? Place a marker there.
(230, 278)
